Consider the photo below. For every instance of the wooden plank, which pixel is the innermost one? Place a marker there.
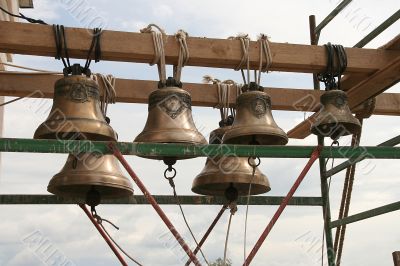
(34, 39)
(137, 91)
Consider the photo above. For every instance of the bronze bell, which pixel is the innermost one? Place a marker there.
(86, 173)
(254, 123)
(223, 175)
(335, 118)
(170, 118)
(76, 112)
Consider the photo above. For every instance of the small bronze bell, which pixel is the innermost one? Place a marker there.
(335, 118)
(254, 123)
(86, 173)
(224, 176)
(170, 118)
(76, 112)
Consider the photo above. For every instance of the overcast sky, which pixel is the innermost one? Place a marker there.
(296, 238)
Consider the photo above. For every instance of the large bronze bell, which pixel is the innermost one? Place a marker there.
(223, 176)
(86, 173)
(254, 123)
(335, 118)
(170, 118)
(76, 112)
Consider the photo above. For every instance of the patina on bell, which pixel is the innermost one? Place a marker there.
(170, 118)
(228, 176)
(76, 112)
(335, 118)
(86, 174)
(254, 123)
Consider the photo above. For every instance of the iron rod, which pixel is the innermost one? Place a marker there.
(378, 30)
(314, 156)
(331, 16)
(104, 235)
(18, 199)
(389, 143)
(155, 205)
(367, 214)
(161, 149)
(208, 232)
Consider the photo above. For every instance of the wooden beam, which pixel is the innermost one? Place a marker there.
(34, 39)
(137, 91)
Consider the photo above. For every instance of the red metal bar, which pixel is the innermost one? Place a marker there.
(155, 205)
(207, 233)
(314, 156)
(103, 234)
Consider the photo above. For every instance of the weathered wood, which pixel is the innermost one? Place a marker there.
(33, 39)
(137, 91)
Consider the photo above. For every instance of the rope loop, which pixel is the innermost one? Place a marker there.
(109, 93)
(184, 54)
(335, 53)
(159, 52)
(265, 52)
(245, 45)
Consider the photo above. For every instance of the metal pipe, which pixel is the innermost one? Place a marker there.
(103, 234)
(163, 149)
(155, 205)
(314, 156)
(331, 16)
(367, 214)
(378, 30)
(161, 200)
(389, 143)
(208, 232)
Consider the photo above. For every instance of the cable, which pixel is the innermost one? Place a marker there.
(13, 100)
(119, 247)
(172, 184)
(22, 16)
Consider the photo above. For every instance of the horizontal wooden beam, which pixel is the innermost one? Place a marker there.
(34, 39)
(137, 91)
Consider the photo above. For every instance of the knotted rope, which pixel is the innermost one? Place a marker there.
(183, 56)
(159, 53)
(109, 93)
(265, 52)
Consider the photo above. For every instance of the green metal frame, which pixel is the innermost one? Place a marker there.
(210, 150)
(162, 200)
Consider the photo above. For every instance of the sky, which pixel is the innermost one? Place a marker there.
(296, 238)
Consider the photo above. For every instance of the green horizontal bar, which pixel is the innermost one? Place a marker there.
(367, 214)
(162, 199)
(160, 149)
(389, 143)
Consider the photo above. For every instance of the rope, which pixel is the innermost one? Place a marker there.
(159, 52)
(233, 208)
(265, 51)
(109, 94)
(328, 76)
(183, 56)
(223, 95)
(224, 207)
(253, 166)
(245, 44)
(172, 184)
(119, 247)
(345, 203)
(22, 16)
